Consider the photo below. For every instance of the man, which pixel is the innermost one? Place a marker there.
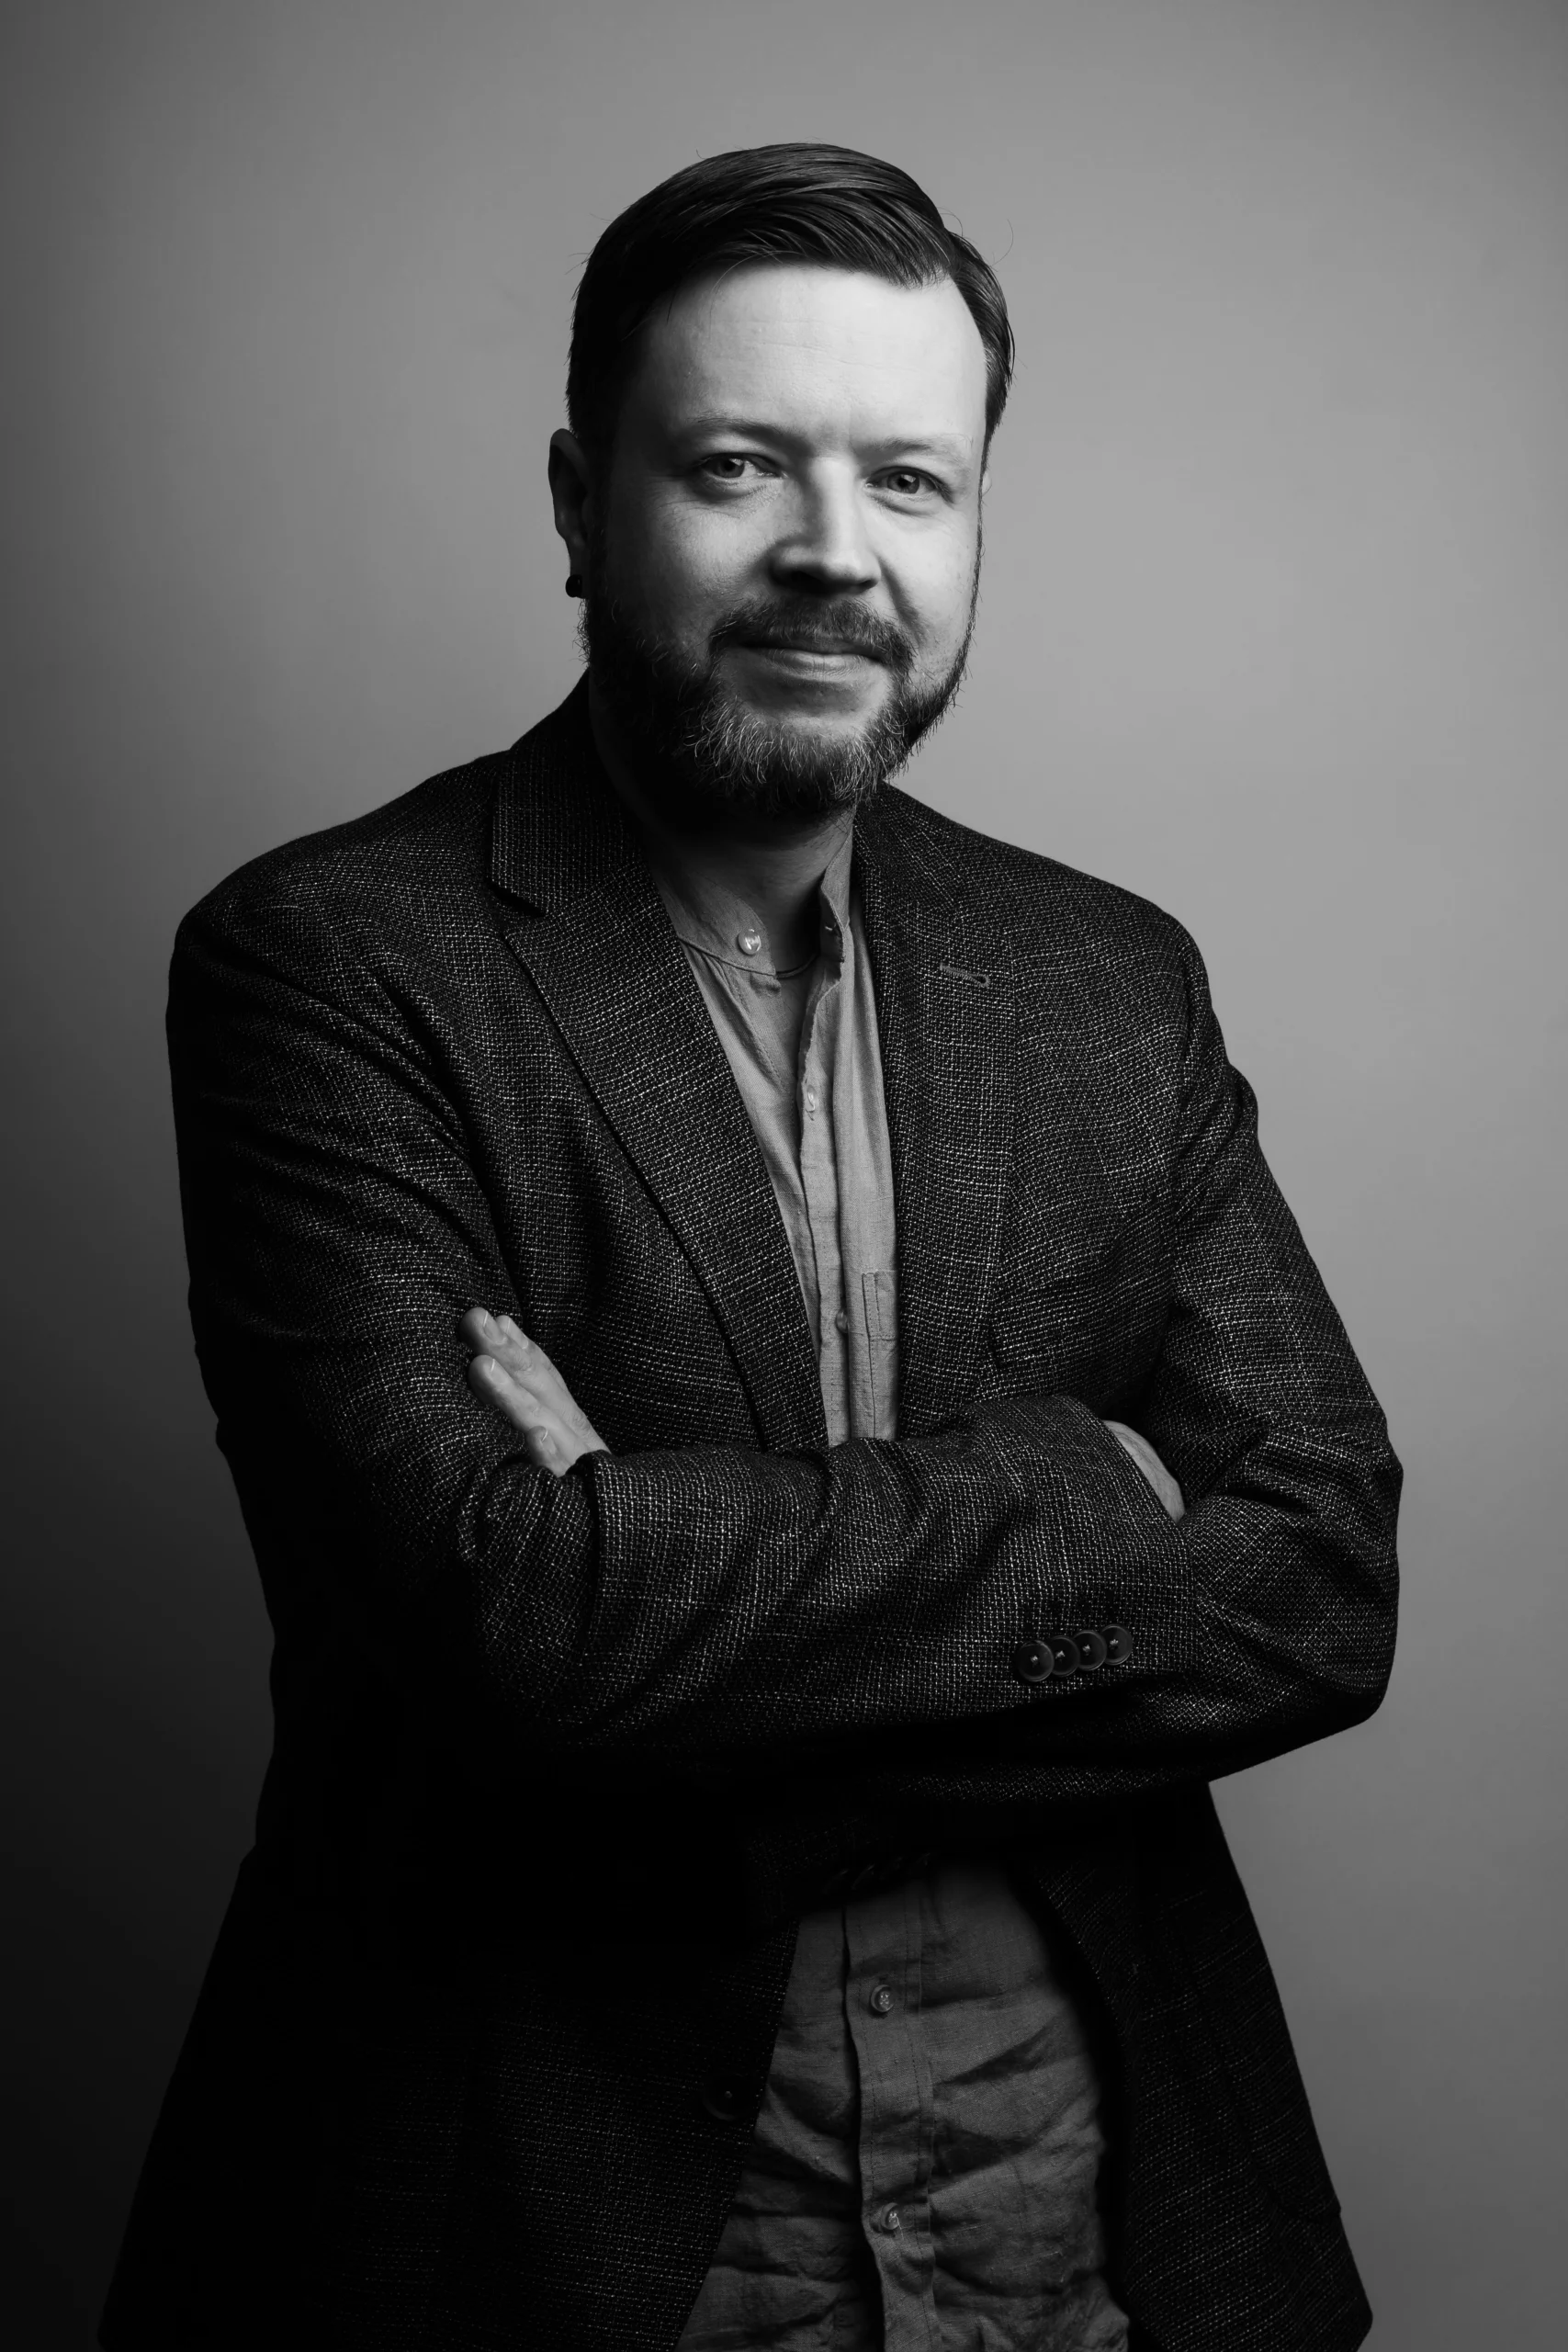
(788, 1435)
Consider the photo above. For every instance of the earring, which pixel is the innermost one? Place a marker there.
(574, 584)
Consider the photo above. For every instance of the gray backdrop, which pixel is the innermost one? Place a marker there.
(1273, 629)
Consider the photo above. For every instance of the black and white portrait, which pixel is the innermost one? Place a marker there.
(785, 1062)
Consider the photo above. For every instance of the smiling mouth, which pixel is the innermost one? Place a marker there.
(809, 649)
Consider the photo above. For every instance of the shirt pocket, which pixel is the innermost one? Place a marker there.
(879, 1307)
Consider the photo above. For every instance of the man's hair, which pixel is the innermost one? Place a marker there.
(799, 203)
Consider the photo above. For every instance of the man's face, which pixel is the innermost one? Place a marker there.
(782, 557)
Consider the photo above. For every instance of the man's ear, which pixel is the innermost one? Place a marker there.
(571, 486)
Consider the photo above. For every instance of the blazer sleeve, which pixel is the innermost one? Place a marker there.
(716, 1604)
(1259, 1406)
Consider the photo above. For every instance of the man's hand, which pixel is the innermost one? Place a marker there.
(1151, 1466)
(518, 1380)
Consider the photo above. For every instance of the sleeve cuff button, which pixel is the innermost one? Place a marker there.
(1033, 1662)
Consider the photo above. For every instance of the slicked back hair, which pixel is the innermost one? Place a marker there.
(792, 203)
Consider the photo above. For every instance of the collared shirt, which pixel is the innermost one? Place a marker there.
(804, 1049)
(925, 2171)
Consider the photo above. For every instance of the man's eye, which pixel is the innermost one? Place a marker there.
(728, 467)
(905, 481)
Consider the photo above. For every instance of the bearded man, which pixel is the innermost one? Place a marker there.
(788, 1435)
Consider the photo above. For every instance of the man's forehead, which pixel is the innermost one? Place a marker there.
(747, 342)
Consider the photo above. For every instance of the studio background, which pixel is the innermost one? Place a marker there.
(1273, 629)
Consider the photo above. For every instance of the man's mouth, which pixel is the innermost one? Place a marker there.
(824, 646)
(813, 648)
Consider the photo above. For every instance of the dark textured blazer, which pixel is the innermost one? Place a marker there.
(558, 1762)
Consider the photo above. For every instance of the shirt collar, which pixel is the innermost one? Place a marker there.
(718, 922)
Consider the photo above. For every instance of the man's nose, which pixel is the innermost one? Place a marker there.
(828, 549)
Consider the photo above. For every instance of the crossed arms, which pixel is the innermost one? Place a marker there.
(516, 1379)
(711, 1603)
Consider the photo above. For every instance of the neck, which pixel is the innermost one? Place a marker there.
(773, 865)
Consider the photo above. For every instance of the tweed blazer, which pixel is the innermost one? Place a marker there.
(558, 1762)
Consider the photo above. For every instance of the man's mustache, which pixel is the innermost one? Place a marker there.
(809, 626)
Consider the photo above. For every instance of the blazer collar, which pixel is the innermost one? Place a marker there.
(558, 828)
(584, 916)
(589, 926)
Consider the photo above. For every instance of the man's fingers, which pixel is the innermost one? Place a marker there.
(494, 1385)
(516, 1379)
(546, 1450)
(528, 1362)
(498, 1337)
(544, 1440)
(524, 1362)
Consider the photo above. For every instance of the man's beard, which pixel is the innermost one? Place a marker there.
(693, 741)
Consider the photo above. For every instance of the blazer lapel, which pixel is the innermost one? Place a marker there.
(592, 930)
(945, 1003)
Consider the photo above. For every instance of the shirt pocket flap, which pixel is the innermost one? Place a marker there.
(879, 1293)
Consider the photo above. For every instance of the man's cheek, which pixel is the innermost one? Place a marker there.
(698, 555)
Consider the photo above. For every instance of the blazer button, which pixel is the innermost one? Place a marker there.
(1033, 1662)
(1065, 1656)
(1092, 1652)
(723, 2100)
(1118, 1645)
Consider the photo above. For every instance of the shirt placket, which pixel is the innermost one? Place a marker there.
(882, 2003)
(865, 1200)
(819, 1182)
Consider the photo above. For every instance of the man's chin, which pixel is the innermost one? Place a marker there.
(795, 769)
(803, 735)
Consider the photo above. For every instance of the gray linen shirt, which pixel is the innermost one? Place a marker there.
(925, 2172)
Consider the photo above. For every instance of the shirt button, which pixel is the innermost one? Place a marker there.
(748, 941)
(811, 1098)
(881, 1999)
(891, 2220)
(840, 1321)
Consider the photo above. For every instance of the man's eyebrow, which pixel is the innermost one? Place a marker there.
(926, 444)
(745, 428)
